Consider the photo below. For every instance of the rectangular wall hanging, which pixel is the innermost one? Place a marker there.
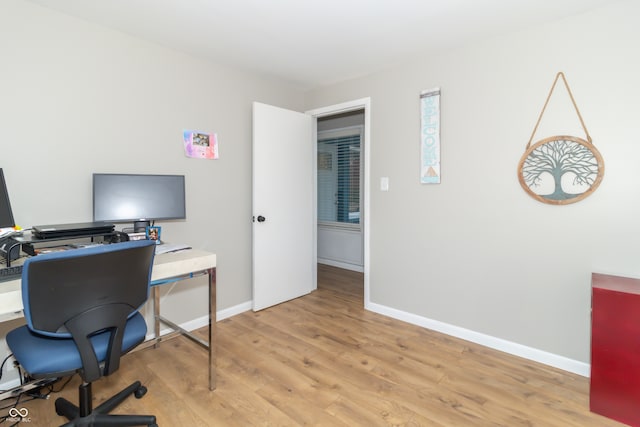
(200, 145)
(430, 136)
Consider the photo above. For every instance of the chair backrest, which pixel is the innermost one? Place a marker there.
(59, 286)
(83, 292)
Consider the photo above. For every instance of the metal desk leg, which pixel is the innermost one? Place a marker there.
(213, 336)
(156, 315)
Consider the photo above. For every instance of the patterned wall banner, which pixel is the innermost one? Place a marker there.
(430, 136)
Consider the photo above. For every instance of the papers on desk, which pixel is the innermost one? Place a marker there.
(171, 247)
(7, 231)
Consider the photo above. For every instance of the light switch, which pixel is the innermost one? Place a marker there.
(384, 183)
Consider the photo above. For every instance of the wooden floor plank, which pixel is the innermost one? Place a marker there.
(323, 360)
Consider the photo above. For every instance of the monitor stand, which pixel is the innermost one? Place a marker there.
(141, 226)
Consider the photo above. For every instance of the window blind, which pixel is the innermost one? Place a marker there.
(339, 180)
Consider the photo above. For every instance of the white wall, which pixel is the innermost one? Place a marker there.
(77, 98)
(476, 252)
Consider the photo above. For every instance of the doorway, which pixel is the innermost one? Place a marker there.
(340, 190)
(342, 116)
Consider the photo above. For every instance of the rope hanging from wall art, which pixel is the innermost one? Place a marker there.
(560, 169)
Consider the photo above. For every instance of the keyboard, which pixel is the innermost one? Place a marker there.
(10, 273)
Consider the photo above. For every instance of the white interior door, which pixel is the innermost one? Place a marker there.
(283, 205)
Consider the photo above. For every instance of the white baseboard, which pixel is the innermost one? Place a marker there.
(339, 264)
(516, 349)
(236, 309)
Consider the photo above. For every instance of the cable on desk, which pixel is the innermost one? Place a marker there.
(164, 282)
(3, 363)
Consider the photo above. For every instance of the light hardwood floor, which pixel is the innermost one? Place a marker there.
(323, 360)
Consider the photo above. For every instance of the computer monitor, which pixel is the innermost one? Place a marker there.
(6, 215)
(138, 198)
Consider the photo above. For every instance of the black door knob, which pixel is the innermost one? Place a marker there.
(261, 218)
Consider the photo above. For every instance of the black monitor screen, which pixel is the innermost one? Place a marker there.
(6, 216)
(125, 197)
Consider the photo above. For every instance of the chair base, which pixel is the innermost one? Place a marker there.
(83, 416)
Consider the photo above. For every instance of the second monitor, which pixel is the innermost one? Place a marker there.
(136, 198)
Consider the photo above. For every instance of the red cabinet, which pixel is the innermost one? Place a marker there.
(615, 348)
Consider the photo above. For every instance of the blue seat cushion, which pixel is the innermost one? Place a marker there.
(41, 355)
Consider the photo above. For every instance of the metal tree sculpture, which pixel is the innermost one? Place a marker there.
(558, 157)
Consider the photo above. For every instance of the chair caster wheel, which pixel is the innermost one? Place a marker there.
(141, 391)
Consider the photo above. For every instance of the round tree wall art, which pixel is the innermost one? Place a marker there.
(561, 169)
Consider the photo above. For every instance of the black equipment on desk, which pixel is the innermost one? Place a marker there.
(9, 249)
(6, 215)
(10, 273)
(72, 230)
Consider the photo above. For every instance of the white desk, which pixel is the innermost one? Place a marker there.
(166, 267)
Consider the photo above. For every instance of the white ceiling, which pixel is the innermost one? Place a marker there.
(314, 43)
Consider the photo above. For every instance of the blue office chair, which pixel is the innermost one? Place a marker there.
(81, 308)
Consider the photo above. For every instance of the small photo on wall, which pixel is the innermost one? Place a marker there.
(153, 233)
(200, 145)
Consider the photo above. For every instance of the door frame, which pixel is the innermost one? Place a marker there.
(358, 104)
